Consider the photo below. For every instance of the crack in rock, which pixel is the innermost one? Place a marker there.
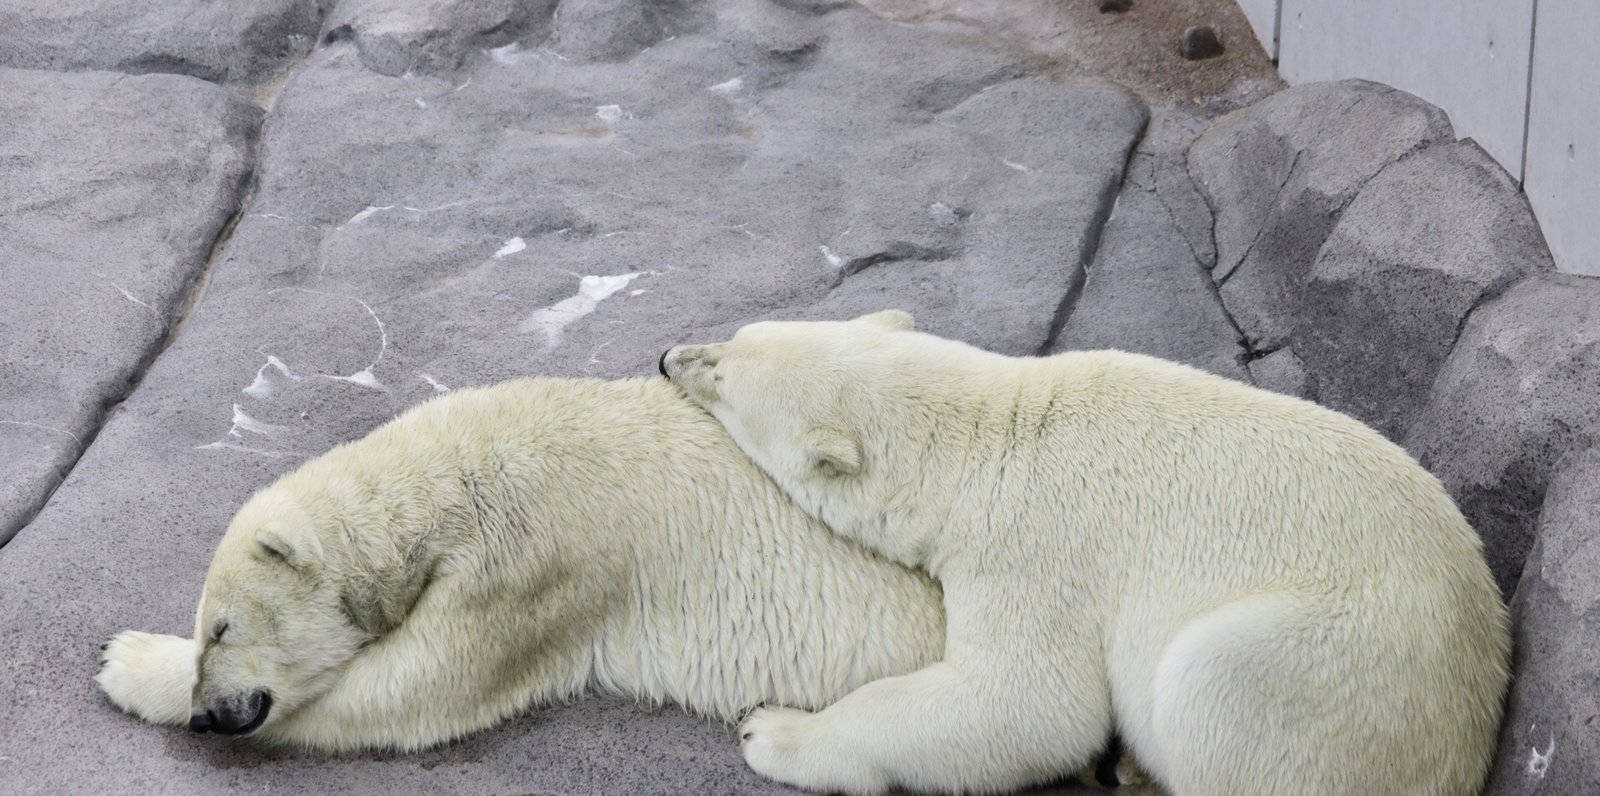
(897, 251)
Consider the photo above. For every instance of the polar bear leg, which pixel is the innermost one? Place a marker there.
(457, 664)
(936, 729)
(1254, 698)
(149, 675)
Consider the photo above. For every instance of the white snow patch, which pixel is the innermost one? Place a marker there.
(728, 87)
(43, 427)
(504, 54)
(128, 295)
(434, 383)
(1539, 762)
(609, 113)
(364, 214)
(1017, 166)
(361, 377)
(591, 291)
(232, 446)
(445, 206)
(833, 259)
(243, 422)
(421, 103)
(640, 291)
(262, 386)
(511, 247)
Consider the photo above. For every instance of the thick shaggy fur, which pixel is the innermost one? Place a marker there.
(506, 547)
(1261, 595)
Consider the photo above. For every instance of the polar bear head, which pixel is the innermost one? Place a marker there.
(831, 411)
(273, 628)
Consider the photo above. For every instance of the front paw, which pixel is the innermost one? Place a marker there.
(795, 747)
(149, 675)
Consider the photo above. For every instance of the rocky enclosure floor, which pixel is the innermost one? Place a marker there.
(235, 234)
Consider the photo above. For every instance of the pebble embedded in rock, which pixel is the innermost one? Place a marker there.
(1115, 6)
(1201, 42)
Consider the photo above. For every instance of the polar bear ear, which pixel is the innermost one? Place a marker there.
(833, 452)
(297, 549)
(893, 320)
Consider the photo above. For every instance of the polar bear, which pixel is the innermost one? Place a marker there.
(499, 548)
(1262, 596)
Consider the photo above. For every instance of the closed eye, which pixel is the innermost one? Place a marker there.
(218, 630)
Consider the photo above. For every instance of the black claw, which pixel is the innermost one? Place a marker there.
(105, 645)
(747, 736)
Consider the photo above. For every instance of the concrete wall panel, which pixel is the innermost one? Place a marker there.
(1470, 58)
(1263, 16)
(1563, 163)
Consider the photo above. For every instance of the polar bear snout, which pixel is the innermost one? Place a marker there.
(681, 359)
(690, 367)
(236, 715)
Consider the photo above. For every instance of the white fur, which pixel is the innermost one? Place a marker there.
(1261, 595)
(500, 548)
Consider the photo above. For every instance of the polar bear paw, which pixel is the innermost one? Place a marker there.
(795, 747)
(149, 675)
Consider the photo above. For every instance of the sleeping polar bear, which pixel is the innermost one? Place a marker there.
(1261, 595)
(499, 548)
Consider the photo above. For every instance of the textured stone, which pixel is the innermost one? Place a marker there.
(112, 190)
(1517, 394)
(539, 208)
(1282, 371)
(1147, 290)
(1201, 42)
(1550, 741)
(234, 41)
(398, 37)
(1423, 243)
(1278, 174)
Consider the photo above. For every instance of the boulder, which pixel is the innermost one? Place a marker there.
(1516, 396)
(1424, 242)
(401, 37)
(1279, 173)
(1550, 741)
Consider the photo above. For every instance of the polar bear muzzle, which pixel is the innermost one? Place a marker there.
(241, 714)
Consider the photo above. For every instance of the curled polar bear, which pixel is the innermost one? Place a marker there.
(505, 547)
(1262, 596)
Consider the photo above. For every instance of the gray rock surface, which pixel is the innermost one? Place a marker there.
(1279, 173)
(547, 197)
(234, 41)
(1550, 742)
(400, 37)
(1282, 371)
(1147, 289)
(112, 191)
(1516, 396)
(1424, 241)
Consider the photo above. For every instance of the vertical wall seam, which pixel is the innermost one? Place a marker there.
(1277, 34)
(1527, 99)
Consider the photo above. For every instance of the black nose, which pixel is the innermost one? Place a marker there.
(237, 716)
(201, 720)
(662, 365)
